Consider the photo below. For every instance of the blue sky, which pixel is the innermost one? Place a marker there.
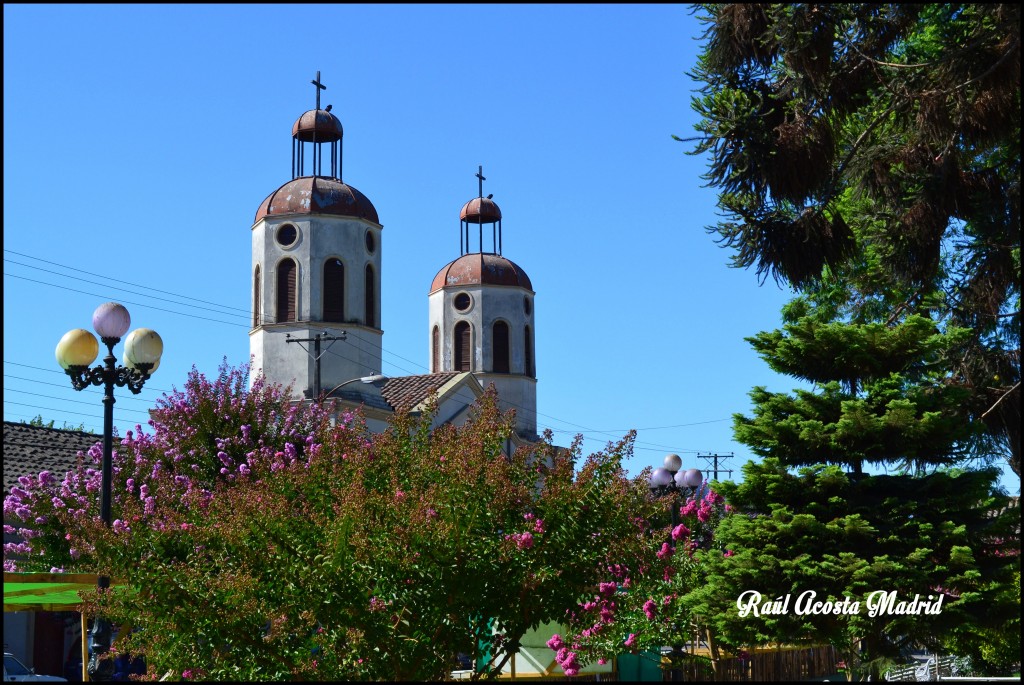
(139, 140)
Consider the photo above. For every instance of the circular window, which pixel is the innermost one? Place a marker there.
(286, 235)
(371, 242)
(462, 302)
(527, 306)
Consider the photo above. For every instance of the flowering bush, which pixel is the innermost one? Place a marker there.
(256, 540)
(643, 604)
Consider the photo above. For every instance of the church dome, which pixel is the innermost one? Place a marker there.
(480, 210)
(481, 269)
(317, 195)
(317, 125)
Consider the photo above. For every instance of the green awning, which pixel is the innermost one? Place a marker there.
(45, 591)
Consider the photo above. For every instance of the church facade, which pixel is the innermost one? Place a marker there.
(317, 264)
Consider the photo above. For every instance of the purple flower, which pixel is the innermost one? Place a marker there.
(650, 609)
(666, 551)
(607, 588)
(120, 526)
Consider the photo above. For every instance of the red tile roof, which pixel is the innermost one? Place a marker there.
(409, 391)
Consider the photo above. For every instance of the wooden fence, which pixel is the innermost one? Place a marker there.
(770, 664)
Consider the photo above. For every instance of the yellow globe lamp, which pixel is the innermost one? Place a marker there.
(78, 347)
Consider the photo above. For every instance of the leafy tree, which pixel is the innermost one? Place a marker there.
(257, 541)
(39, 422)
(869, 155)
(640, 607)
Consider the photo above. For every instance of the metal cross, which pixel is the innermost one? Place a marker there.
(480, 175)
(319, 87)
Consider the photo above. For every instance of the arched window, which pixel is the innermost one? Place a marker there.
(334, 290)
(286, 291)
(499, 347)
(527, 352)
(256, 297)
(435, 350)
(463, 350)
(371, 298)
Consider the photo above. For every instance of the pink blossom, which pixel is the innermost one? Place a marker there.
(728, 553)
(630, 641)
(666, 551)
(680, 531)
(525, 541)
(650, 609)
(556, 642)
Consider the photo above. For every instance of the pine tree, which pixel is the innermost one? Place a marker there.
(925, 529)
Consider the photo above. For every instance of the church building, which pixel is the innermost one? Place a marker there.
(317, 264)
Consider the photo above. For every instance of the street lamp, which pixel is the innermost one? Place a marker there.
(376, 380)
(671, 479)
(75, 352)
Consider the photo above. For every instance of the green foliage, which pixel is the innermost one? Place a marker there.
(255, 540)
(38, 422)
(842, 537)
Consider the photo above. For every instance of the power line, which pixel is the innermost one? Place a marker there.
(65, 399)
(614, 434)
(137, 285)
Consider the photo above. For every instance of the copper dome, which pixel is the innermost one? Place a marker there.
(317, 195)
(317, 125)
(481, 269)
(480, 210)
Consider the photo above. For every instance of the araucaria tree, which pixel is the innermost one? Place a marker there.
(926, 529)
(255, 540)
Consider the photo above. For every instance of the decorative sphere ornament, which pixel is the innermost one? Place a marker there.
(78, 347)
(111, 320)
(143, 346)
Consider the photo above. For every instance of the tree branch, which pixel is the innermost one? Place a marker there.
(1005, 394)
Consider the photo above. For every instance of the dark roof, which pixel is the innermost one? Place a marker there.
(409, 391)
(30, 449)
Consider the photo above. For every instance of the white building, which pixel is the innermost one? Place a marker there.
(317, 264)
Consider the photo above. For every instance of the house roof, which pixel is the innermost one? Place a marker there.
(410, 391)
(30, 449)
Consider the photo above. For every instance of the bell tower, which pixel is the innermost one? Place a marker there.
(316, 268)
(481, 314)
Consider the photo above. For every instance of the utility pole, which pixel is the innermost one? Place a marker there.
(316, 353)
(711, 464)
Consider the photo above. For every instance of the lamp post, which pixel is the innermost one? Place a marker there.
(671, 479)
(75, 352)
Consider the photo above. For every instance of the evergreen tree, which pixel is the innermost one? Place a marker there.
(832, 528)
